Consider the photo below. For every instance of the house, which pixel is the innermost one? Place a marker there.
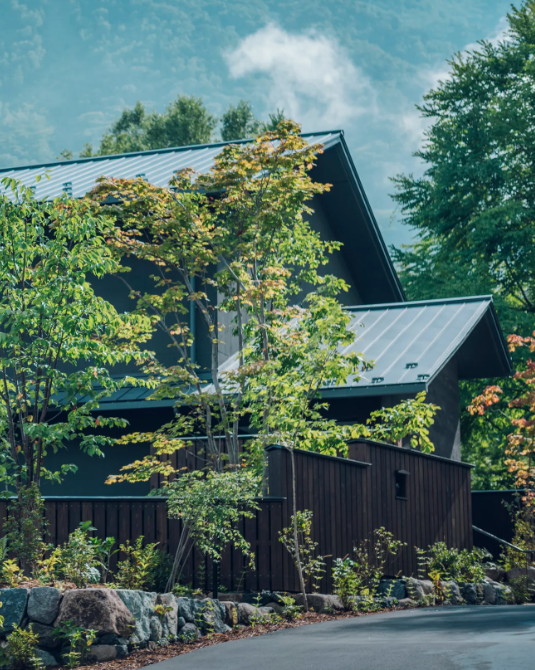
(415, 346)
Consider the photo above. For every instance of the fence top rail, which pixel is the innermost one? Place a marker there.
(412, 452)
(134, 498)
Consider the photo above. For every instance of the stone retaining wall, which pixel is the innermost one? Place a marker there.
(128, 620)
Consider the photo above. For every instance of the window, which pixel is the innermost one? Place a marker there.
(401, 484)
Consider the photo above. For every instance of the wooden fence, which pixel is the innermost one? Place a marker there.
(349, 498)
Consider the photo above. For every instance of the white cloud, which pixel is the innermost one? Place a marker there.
(308, 75)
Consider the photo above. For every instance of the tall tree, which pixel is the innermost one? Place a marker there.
(185, 121)
(473, 210)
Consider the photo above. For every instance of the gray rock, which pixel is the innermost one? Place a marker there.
(418, 589)
(276, 607)
(141, 606)
(100, 609)
(470, 593)
(392, 588)
(231, 613)
(101, 653)
(521, 574)
(186, 609)
(13, 607)
(453, 593)
(320, 602)
(111, 638)
(155, 629)
(46, 637)
(490, 593)
(496, 574)
(47, 659)
(407, 602)
(189, 633)
(43, 604)
(121, 650)
(386, 602)
(210, 618)
(247, 612)
(169, 619)
(180, 623)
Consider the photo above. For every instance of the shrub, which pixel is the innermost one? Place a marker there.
(137, 570)
(21, 649)
(371, 556)
(79, 640)
(346, 583)
(453, 564)
(312, 566)
(25, 528)
(77, 560)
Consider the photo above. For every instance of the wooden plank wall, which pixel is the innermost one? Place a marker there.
(348, 497)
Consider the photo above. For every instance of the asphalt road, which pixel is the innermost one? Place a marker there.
(453, 638)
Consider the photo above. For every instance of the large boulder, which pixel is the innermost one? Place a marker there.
(521, 574)
(99, 609)
(101, 653)
(141, 606)
(320, 602)
(13, 608)
(247, 613)
(169, 619)
(453, 593)
(189, 633)
(495, 574)
(186, 609)
(392, 588)
(470, 593)
(418, 589)
(46, 635)
(495, 593)
(210, 617)
(43, 604)
(231, 613)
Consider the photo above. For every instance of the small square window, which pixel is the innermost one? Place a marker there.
(401, 484)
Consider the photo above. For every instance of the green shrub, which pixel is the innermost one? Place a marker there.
(79, 641)
(77, 560)
(137, 569)
(21, 649)
(346, 583)
(459, 565)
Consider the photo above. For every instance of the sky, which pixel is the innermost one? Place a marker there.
(69, 67)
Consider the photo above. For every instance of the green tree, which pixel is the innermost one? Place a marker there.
(473, 210)
(239, 122)
(58, 339)
(185, 121)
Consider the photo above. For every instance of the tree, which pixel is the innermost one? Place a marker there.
(239, 122)
(185, 121)
(473, 210)
(58, 339)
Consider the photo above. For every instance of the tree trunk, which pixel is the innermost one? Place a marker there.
(296, 534)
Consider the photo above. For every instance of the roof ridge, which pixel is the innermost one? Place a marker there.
(153, 152)
(417, 303)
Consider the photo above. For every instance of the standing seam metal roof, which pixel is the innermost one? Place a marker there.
(156, 166)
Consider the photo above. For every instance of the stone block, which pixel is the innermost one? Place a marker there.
(100, 609)
(141, 606)
(14, 603)
(43, 604)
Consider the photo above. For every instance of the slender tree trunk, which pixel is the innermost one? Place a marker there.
(296, 534)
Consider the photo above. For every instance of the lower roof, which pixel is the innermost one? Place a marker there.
(409, 344)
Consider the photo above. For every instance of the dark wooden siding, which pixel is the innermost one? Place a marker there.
(348, 497)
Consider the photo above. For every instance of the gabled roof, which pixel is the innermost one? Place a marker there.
(346, 205)
(410, 343)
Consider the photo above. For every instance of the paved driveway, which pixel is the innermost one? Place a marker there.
(454, 638)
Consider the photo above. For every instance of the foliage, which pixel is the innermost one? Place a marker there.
(346, 581)
(79, 640)
(161, 570)
(472, 211)
(136, 570)
(211, 505)
(239, 122)
(289, 609)
(361, 576)
(371, 556)
(458, 565)
(78, 559)
(522, 590)
(473, 207)
(412, 417)
(25, 528)
(21, 649)
(313, 566)
(520, 450)
(58, 340)
(524, 536)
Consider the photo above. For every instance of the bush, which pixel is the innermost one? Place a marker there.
(453, 564)
(79, 640)
(25, 528)
(77, 560)
(21, 649)
(138, 568)
(346, 583)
